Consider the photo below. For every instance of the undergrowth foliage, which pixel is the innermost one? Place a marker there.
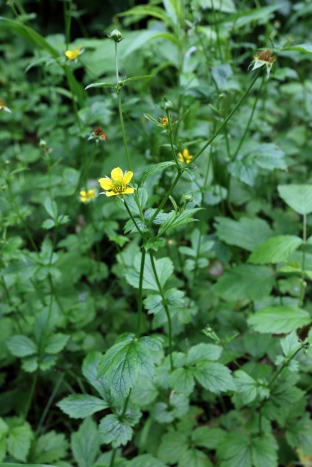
(156, 255)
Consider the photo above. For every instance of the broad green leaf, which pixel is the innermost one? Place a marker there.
(259, 15)
(144, 391)
(51, 207)
(182, 381)
(114, 431)
(56, 343)
(100, 85)
(137, 78)
(249, 387)
(243, 282)
(275, 249)
(279, 319)
(268, 156)
(49, 447)
(298, 197)
(123, 362)
(90, 372)
(81, 405)
(299, 434)
(245, 233)
(227, 6)
(194, 458)
(18, 441)
(21, 346)
(173, 446)
(290, 344)
(85, 443)
(154, 244)
(148, 10)
(264, 452)
(306, 48)
(207, 437)
(203, 352)
(164, 268)
(244, 169)
(145, 460)
(214, 377)
(154, 169)
(235, 451)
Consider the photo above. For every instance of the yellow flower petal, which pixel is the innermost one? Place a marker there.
(127, 177)
(111, 193)
(117, 174)
(72, 54)
(83, 194)
(185, 153)
(128, 190)
(106, 183)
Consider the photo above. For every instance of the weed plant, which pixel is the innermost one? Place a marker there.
(156, 254)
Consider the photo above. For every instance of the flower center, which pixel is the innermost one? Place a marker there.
(118, 186)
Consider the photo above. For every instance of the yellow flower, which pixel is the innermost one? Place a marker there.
(87, 195)
(164, 121)
(185, 156)
(73, 54)
(118, 184)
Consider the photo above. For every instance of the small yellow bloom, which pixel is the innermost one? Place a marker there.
(87, 195)
(164, 121)
(185, 156)
(73, 54)
(118, 184)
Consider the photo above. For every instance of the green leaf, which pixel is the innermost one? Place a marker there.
(235, 451)
(207, 437)
(275, 249)
(306, 48)
(100, 85)
(203, 352)
(227, 6)
(182, 381)
(290, 344)
(112, 430)
(148, 10)
(49, 447)
(245, 233)
(244, 169)
(194, 458)
(81, 405)
(48, 224)
(268, 156)
(19, 441)
(85, 443)
(173, 446)
(90, 372)
(155, 169)
(214, 377)
(164, 268)
(51, 207)
(248, 387)
(123, 362)
(144, 391)
(145, 460)
(243, 282)
(279, 319)
(299, 434)
(264, 452)
(137, 78)
(298, 197)
(154, 244)
(21, 346)
(177, 219)
(56, 343)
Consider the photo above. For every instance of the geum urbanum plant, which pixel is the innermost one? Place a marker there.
(125, 377)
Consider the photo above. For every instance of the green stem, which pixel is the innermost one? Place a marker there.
(164, 303)
(250, 119)
(140, 301)
(31, 393)
(111, 464)
(179, 174)
(304, 240)
(171, 141)
(51, 399)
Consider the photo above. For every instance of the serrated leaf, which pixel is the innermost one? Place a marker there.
(100, 85)
(235, 451)
(155, 168)
(290, 344)
(243, 282)
(177, 219)
(268, 156)
(123, 362)
(153, 244)
(247, 386)
(90, 372)
(144, 391)
(49, 447)
(279, 319)
(245, 233)
(145, 460)
(164, 268)
(112, 430)
(275, 249)
(18, 441)
(81, 405)
(214, 377)
(21, 346)
(173, 446)
(85, 443)
(244, 169)
(48, 224)
(51, 207)
(137, 78)
(194, 458)
(207, 437)
(203, 352)
(55, 343)
(182, 381)
(298, 197)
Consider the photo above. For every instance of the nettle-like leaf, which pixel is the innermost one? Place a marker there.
(207, 437)
(243, 282)
(145, 460)
(275, 249)
(144, 391)
(125, 360)
(85, 443)
(81, 405)
(298, 197)
(173, 297)
(279, 319)
(90, 372)
(19, 438)
(249, 388)
(113, 430)
(49, 447)
(155, 169)
(214, 377)
(245, 233)
(164, 268)
(21, 346)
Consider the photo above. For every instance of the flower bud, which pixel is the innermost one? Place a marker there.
(115, 35)
(188, 197)
(166, 105)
